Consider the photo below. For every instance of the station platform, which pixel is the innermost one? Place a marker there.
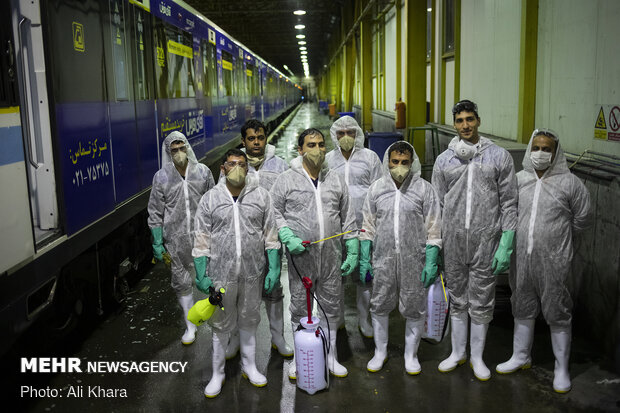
(148, 328)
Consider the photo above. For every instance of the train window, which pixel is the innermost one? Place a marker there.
(252, 80)
(448, 24)
(8, 79)
(141, 44)
(209, 69)
(239, 75)
(227, 74)
(174, 70)
(119, 53)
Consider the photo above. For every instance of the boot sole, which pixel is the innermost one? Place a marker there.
(187, 343)
(458, 363)
(245, 376)
(413, 373)
(338, 375)
(379, 369)
(273, 346)
(562, 391)
(523, 367)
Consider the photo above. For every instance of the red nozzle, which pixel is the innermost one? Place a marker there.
(362, 230)
(308, 284)
(306, 243)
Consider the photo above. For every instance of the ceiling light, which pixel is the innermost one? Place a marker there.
(285, 66)
(300, 26)
(304, 52)
(299, 12)
(301, 42)
(300, 36)
(429, 9)
(303, 48)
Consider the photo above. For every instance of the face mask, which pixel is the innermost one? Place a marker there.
(236, 176)
(465, 150)
(255, 161)
(346, 143)
(315, 157)
(179, 158)
(399, 173)
(541, 160)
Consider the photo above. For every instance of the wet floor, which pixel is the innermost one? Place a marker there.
(148, 328)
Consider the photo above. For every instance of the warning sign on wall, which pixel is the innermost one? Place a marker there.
(607, 123)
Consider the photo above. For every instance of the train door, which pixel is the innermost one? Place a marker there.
(16, 224)
(29, 60)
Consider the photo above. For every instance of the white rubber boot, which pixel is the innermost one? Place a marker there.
(219, 361)
(458, 337)
(521, 348)
(276, 326)
(380, 327)
(248, 358)
(413, 334)
(363, 306)
(560, 341)
(187, 302)
(292, 368)
(232, 348)
(477, 340)
(335, 368)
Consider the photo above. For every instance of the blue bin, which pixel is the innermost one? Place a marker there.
(352, 114)
(378, 142)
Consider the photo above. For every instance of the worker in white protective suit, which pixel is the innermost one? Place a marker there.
(263, 162)
(360, 167)
(235, 239)
(402, 223)
(476, 183)
(554, 207)
(177, 189)
(312, 203)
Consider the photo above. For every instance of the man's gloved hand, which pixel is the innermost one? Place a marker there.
(158, 243)
(353, 252)
(203, 282)
(429, 273)
(292, 242)
(273, 276)
(501, 260)
(365, 267)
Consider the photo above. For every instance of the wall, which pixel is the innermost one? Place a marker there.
(490, 39)
(577, 70)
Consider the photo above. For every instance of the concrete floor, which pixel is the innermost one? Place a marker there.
(149, 327)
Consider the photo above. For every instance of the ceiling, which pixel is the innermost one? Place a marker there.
(267, 28)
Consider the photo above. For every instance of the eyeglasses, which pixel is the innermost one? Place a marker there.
(232, 164)
(180, 148)
(341, 133)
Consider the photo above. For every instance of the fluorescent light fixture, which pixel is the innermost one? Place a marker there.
(299, 12)
(303, 48)
(300, 36)
(430, 9)
(304, 52)
(300, 26)
(285, 66)
(301, 42)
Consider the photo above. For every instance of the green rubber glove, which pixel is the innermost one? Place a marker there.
(273, 276)
(158, 243)
(429, 273)
(501, 260)
(366, 274)
(353, 253)
(292, 242)
(203, 282)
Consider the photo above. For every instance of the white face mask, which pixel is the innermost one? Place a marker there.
(541, 160)
(465, 150)
(400, 172)
(255, 161)
(236, 176)
(179, 158)
(346, 143)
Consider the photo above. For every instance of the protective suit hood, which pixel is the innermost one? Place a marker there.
(270, 152)
(416, 167)
(346, 123)
(166, 156)
(558, 164)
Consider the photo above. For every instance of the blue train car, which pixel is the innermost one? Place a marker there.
(89, 91)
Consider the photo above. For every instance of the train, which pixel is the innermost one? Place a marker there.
(89, 90)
